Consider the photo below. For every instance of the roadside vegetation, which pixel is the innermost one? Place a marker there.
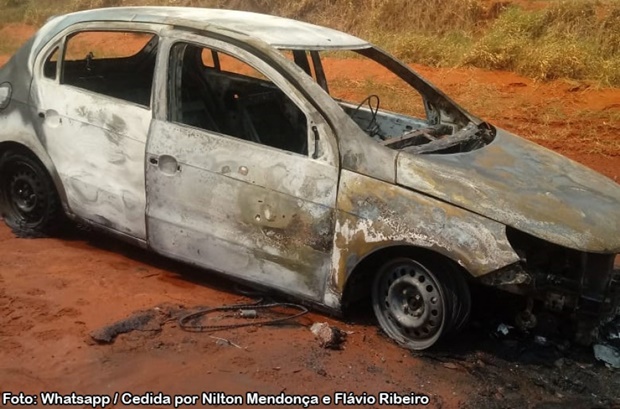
(574, 39)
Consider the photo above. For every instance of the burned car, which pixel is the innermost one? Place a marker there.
(218, 138)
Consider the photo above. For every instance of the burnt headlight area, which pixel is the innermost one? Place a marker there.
(582, 286)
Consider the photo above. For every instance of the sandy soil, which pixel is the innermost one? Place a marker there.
(54, 292)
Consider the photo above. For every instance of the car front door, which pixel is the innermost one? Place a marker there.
(241, 174)
(92, 93)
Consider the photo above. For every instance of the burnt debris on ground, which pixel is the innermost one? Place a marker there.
(150, 320)
(607, 350)
(538, 368)
(511, 367)
(330, 337)
(205, 319)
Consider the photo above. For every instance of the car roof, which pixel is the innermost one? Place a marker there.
(276, 31)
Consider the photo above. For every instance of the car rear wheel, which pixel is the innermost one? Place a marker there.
(416, 304)
(29, 203)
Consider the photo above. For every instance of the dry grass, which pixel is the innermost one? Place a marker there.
(568, 39)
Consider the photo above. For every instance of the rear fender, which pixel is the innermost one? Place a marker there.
(20, 130)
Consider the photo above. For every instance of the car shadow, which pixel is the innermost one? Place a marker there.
(81, 237)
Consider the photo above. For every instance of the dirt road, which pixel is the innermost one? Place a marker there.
(54, 292)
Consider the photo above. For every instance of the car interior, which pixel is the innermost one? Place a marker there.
(128, 78)
(439, 128)
(234, 103)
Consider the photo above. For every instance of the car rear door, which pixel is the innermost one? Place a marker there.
(92, 93)
(241, 176)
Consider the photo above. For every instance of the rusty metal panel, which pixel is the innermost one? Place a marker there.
(526, 186)
(373, 214)
(204, 233)
(255, 212)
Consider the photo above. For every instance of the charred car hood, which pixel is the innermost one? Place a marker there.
(525, 186)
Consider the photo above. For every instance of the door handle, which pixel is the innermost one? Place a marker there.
(166, 164)
(50, 118)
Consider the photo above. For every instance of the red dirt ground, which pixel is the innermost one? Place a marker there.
(53, 292)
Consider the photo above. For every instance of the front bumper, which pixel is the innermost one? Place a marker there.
(584, 287)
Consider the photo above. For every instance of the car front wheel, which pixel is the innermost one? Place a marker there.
(416, 304)
(29, 203)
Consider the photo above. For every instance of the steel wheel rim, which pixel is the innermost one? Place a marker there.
(411, 301)
(22, 191)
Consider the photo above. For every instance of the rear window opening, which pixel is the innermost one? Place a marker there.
(114, 63)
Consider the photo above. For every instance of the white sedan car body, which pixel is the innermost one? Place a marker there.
(217, 142)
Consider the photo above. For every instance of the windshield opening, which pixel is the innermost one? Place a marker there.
(390, 103)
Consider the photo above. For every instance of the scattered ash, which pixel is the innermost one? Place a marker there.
(540, 369)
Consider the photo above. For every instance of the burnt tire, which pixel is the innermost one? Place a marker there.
(29, 202)
(458, 291)
(417, 304)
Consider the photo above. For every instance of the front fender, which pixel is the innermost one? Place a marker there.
(373, 214)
